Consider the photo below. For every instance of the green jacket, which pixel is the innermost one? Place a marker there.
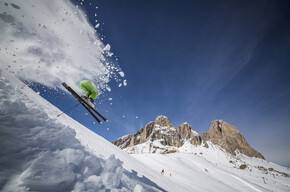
(89, 88)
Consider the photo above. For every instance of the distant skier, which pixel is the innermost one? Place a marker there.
(90, 90)
(162, 172)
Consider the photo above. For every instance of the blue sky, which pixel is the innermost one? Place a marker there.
(197, 61)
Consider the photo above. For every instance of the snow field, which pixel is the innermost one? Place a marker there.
(198, 168)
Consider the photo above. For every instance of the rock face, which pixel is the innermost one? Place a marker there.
(186, 133)
(229, 138)
(220, 133)
(162, 130)
(123, 142)
(163, 121)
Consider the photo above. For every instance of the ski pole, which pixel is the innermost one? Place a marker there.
(68, 109)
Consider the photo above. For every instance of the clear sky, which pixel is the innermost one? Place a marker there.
(197, 61)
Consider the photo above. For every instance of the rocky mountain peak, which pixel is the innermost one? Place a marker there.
(222, 128)
(229, 138)
(163, 121)
(185, 131)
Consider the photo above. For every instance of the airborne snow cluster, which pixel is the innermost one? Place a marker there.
(51, 42)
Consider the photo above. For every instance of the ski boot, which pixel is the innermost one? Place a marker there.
(89, 101)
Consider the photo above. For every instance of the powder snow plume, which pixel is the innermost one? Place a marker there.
(51, 42)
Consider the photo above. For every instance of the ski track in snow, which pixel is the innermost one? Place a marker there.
(246, 183)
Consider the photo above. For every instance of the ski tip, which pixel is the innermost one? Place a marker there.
(101, 122)
(107, 120)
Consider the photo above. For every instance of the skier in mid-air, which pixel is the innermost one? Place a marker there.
(90, 90)
(87, 100)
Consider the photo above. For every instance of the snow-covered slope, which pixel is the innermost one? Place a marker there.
(40, 152)
(197, 168)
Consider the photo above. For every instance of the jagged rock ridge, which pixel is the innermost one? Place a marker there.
(220, 133)
(162, 130)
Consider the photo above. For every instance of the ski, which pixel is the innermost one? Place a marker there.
(88, 109)
(85, 104)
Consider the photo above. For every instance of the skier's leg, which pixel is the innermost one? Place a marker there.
(85, 88)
